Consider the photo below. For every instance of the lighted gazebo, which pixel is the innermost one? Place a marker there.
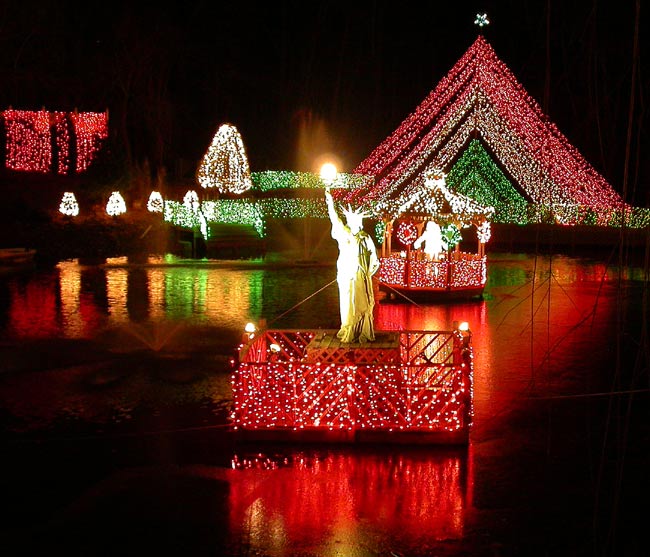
(421, 247)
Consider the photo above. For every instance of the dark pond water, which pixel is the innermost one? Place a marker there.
(115, 397)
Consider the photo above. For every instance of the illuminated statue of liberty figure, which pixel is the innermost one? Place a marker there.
(356, 265)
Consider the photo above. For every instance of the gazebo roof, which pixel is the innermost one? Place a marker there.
(435, 201)
(480, 98)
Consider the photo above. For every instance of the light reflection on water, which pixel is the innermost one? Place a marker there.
(393, 496)
(543, 328)
(525, 332)
(76, 301)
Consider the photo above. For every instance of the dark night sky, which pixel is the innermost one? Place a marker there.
(346, 73)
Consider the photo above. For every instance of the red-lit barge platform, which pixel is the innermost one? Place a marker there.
(406, 387)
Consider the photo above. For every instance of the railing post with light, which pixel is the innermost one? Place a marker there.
(463, 358)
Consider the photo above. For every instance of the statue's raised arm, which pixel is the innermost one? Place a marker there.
(337, 223)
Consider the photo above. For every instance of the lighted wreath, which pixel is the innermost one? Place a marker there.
(450, 235)
(407, 233)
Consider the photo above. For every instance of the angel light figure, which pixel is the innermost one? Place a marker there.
(432, 239)
(356, 264)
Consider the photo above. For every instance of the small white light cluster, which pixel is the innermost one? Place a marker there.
(115, 205)
(69, 205)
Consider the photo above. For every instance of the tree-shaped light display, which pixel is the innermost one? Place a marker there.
(478, 176)
(116, 205)
(155, 203)
(69, 205)
(225, 165)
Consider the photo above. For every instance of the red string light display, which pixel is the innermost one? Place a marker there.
(28, 140)
(91, 129)
(62, 138)
(32, 136)
(423, 274)
(423, 384)
(481, 97)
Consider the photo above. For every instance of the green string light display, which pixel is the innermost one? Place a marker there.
(476, 175)
(269, 181)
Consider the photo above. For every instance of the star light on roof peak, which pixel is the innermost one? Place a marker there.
(481, 20)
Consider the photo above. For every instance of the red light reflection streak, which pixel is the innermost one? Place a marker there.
(407, 495)
(33, 312)
(427, 317)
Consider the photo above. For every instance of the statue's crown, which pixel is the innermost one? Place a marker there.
(353, 216)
